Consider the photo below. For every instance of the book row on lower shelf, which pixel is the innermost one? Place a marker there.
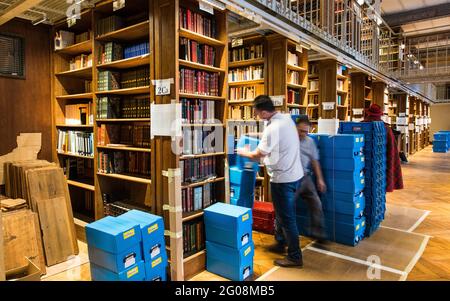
(112, 51)
(247, 73)
(196, 111)
(294, 97)
(245, 93)
(85, 201)
(249, 52)
(123, 107)
(249, 127)
(294, 77)
(197, 169)
(199, 82)
(115, 80)
(78, 169)
(197, 141)
(193, 237)
(197, 198)
(124, 135)
(115, 204)
(241, 112)
(195, 52)
(75, 142)
(124, 162)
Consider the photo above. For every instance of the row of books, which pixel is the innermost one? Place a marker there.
(116, 107)
(193, 237)
(297, 111)
(196, 198)
(197, 111)
(197, 22)
(80, 61)
(247, 73)
(82, 37)
(78, 168)
(313, 85)
(197, 141)
(292, 58)
(87, 86)
(241, 112)
(313, 98)
(197, 169)
(246, 93)
(294, 97)
(79, 114)
(113, 80)
(195, 52)
(247, 53)
(240, 129)
(124, 162)
(340, 84)
(75, 142)
(293, 77)
(124, 135)
(313, 69)
(108, 24)
(199, 82)
(112, 51)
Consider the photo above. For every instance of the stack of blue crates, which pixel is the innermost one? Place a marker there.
(343, 205)
(441, 142)
(375, 169)
(229, 244)
(127, 248)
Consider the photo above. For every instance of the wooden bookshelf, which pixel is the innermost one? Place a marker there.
(126, 178)
(75, 96)
(81, 185)
(361, 90)
(125, 148)
(127, 91)
(82, 73)
(83, 47)
(131, 33)
(133, 62)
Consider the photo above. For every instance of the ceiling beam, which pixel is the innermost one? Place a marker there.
(17, 9)
(416, 15)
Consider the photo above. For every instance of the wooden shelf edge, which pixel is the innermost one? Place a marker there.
(199, 253)
(192, 215)
(193, 65)
(125, 178)
(199, 96)
(126, 148)
(81, 185)
(214, 180)
(244, 63)
(185, 33)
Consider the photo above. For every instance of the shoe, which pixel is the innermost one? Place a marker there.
(323, 244)
(289, 263)
(277, 248)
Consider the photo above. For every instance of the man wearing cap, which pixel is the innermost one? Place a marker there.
(394, 178)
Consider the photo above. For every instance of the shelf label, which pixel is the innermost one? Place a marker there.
(411, 126)
(358, 111)
(206, 7)
(298, 48)
(71, 21)
(277, 100)
(328, 105)
(118, 4)
(162, 86)
(236, 42)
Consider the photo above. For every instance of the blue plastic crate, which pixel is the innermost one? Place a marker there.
(343, 164)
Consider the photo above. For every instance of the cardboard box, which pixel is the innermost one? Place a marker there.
(29, 272)
(133, 273)
(228, 225)
(115, 262)
(234, 264)
(112, 235)
(152, 233)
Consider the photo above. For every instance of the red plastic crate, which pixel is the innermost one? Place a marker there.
(264, 225)
(263, 210)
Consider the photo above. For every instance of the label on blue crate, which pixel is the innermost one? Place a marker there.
(244, 240)
(248, 250)
(129, 260)
(245, 217)
(152, 228)
(157, 278)
(246, 272)
(132, 272)
(156, 262)
(155, 251)
(128, 234)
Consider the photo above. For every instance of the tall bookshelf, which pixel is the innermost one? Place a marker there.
(186, 262)
(313, 93)
(361, 91)
(72, 70)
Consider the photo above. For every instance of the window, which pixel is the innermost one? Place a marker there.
(12, 56)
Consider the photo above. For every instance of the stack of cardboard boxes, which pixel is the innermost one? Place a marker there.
(229, 244)
(130, 247)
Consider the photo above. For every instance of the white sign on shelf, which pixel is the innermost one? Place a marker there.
(298, 48)
(328, 105)
(71, 21)
(402, 114)
(206, 7)
(162, 86)
(328, 126)
(417, 129)
(277, 100)
(411, 126)
(358, 111)
(166, 120)
(118, 4)
(236, 42)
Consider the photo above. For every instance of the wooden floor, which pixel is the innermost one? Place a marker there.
(427, 187)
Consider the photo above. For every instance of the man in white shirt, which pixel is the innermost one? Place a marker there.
(280, 148)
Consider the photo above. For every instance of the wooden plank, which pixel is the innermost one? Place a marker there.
(2, 252)
(50, 183)
(22, 239)
(17, 9)
(56, 227)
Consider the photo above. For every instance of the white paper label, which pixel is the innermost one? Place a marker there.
(402, 114)
(162, 86)
(118, 4)
(357, 140)
(206, 7)
(155, 251)
(358, 111)
(277, 100)
(298, 48)
(411, 126)
(244, 240)
(237, 42)
(130, 260)
(71, 21)
(357, 206)
(328, 105)
(246, 272)
(362, 159)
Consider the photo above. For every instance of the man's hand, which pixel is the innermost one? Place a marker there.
(321, 186)
(244, 151)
